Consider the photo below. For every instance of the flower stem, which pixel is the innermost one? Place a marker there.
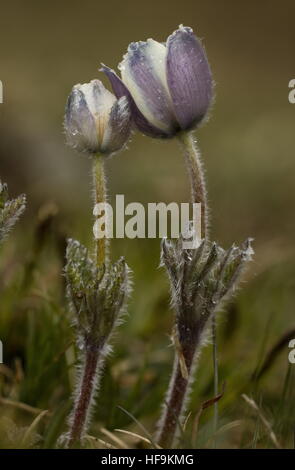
(99, 184)
(196, 175)
(92, 354)
(83, 402)
(199, 195)
(174, 406)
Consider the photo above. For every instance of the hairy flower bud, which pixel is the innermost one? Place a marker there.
(169, 86)
(95, 120)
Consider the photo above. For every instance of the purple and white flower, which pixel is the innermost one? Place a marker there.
(95, 120)
(169, 86)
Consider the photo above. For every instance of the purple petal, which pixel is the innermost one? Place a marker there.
(118, 86)
(118, 128)
(140, 121)
(189, 77)
(79, 123)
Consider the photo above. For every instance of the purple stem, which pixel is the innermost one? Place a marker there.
(175, 400)
(84, 398)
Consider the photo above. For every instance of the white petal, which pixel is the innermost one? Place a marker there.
(158, 54)
(156, 108)
(100, 102)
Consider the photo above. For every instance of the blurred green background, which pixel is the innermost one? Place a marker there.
(248, 153)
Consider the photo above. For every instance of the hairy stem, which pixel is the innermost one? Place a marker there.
(83, 401)
(92, 354)
(99, 184)
(196, 175)
(199, 195)
(174, 406)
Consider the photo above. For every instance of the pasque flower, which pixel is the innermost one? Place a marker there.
(98, 123)
(95, 120)
(169, 86)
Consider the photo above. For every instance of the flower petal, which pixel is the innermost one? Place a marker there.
(79, 122)
(121, 90)
(119, 126)
(189, 77)
(143, 72)
(100, 102)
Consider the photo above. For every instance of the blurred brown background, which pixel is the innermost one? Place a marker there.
(247, 148)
